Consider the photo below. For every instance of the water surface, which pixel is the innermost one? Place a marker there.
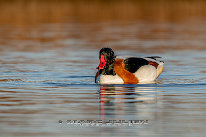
(48, 68)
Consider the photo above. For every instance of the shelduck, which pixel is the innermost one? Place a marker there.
(127, 70)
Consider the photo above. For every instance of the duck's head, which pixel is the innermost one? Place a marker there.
(106, 57)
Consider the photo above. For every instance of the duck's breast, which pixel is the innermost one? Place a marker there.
(110, 79)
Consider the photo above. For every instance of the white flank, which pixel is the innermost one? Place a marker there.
(146, 74)
(160, 68)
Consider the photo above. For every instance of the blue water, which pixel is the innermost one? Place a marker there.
(39, 89)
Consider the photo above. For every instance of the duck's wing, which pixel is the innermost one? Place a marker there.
(132, 64)
(154, 57)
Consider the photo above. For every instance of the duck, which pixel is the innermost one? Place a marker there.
(127, 69)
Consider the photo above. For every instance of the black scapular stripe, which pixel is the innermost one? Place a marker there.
(133, 64)
(154, 57)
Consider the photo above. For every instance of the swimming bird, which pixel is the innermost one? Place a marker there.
(127, 70)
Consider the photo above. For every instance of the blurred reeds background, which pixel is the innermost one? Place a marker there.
(167, 24)
(31, 12)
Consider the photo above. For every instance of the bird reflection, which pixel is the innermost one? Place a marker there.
(123, 101)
